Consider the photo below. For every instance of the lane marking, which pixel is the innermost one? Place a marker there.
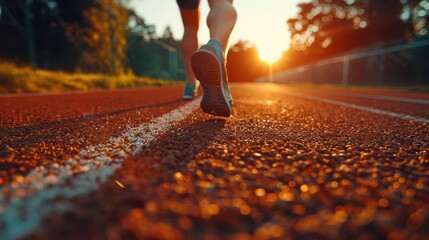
(386, 98)
(21, 213)
(363, 108)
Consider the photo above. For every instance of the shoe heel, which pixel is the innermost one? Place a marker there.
(207, 70)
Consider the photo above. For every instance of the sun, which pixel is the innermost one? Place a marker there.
(269, 54)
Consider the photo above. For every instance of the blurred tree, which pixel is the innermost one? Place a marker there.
(50, 19)
(169, 48)
(139, 28)
(384, 25)
(168, 34)
(139, 51)
(84, 35)
(28, 15)
(415, 14)
(56, 49)
(105, 37)
(243, 63)
(25, 27)
(325, 28)
(149, 55)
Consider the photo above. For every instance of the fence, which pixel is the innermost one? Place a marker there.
(157, 59)
(399, 65)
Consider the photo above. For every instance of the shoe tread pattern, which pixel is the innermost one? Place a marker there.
(207, 70)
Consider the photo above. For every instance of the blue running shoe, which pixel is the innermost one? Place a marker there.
(208, 64)
(190, 91)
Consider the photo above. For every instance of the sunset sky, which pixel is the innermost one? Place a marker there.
(262, 22)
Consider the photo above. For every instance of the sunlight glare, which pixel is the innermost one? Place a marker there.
(269, 55)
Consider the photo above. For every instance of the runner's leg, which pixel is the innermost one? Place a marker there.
(221, 20)
(190, 19)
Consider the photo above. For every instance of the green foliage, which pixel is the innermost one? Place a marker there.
(91, 36)
(15, 79)
(105, 37)
(326, 28)
(416, 15)
(151, 56)
(54, 47)
(332, 26)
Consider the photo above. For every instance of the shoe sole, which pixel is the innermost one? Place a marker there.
(207, 70)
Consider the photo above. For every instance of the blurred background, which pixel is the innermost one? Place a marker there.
(49, 45)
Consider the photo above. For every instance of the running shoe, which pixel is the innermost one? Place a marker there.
(208, 64)
(190, 91)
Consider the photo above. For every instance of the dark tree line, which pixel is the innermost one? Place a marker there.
(106, 36)
(244, 64)
(328, 28)
(325, 28)
(86, 35)
(36, 32)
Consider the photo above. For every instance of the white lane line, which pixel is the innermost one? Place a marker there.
(386, 98)
(362, 108)
(26, 200)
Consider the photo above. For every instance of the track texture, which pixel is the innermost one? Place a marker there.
(282, 167)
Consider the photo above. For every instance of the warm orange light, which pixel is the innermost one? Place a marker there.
(119, 184)
(269, 55)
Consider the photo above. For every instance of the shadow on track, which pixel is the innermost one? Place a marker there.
(68, 136)
(143, 177)
(175, 149)
(43, 131)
